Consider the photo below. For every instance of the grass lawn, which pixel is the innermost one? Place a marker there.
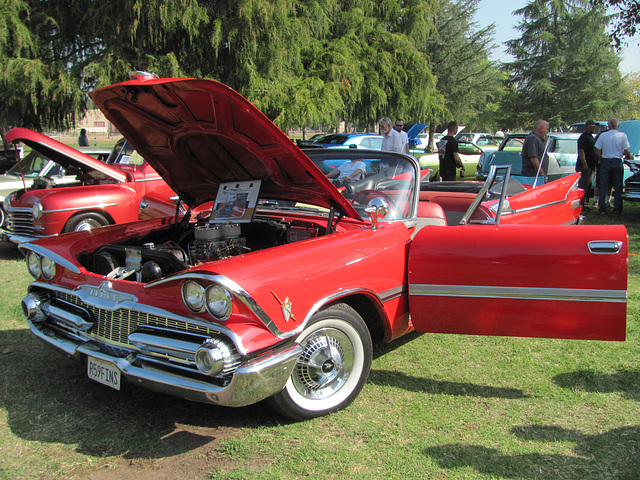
(435, 407)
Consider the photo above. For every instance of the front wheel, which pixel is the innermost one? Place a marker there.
(332, 368)
(85, 221)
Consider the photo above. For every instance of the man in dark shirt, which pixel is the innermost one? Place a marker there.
(586, 163)
(533, 150)
(448, 155)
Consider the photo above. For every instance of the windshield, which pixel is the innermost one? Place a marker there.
(31, 165)
(363, 176)
(334, 139)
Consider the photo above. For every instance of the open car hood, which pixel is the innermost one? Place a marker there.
(62, 154)
(199, 133)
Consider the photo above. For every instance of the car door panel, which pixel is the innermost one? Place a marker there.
(559, 281)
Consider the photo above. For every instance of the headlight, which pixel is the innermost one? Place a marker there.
(33, 264)
(48, 268)
(37, 210)
(193, 295)
(219, 302)
(6, 203)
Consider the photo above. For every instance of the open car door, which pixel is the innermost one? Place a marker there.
(550, 281)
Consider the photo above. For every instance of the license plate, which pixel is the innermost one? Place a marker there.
(103, 372)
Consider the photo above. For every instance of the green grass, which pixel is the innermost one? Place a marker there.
(435, 406)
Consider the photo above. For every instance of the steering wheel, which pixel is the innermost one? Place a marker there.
(394, 211)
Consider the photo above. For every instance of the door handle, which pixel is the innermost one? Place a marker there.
(606, 247)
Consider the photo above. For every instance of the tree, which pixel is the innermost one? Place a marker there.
(626, 19)
(467, 80)
(632, 87)
(37, 89)
(564, 68)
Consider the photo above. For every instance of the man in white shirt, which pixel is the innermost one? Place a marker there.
(611, 147)
(392, 141)
(405, 136)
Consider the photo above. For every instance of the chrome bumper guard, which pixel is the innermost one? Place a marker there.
(253, 380)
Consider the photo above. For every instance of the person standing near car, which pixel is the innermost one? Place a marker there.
(533, 150)
(399, 127)
(83, 141)
(611, 147)
(587, 159)
(448, 156)
(392, 140)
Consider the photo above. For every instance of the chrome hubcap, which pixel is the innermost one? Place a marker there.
(325, 364)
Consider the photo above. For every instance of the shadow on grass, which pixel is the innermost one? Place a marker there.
(624, 381)
(49, 398)
(612, 454)
(9, 251)
(439, 387)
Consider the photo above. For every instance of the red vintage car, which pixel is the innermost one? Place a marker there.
(104, 193)
(280, 290)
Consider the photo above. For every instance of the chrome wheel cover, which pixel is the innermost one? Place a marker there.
(87, 224)
(325, 364)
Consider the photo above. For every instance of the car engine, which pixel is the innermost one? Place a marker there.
(176, 248)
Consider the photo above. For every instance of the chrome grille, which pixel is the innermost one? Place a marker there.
(20, 221)
(116, 325)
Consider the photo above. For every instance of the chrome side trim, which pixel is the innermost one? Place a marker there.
(86, 207)
(521, 293)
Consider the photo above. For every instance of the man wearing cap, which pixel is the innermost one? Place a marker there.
(587, 159)
(611, 147)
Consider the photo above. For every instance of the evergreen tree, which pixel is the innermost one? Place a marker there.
(564, 68)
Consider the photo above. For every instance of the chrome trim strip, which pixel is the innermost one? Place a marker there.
(521, 293)
(391, 294)
(87, 207)
(535, 207)
(151, 179)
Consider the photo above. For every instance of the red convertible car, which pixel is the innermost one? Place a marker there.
(103, 193)
(279, 291)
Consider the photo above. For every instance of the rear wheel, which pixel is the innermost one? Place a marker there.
(333, 367)
(85, 221)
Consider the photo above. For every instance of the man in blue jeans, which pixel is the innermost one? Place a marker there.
(611, 146)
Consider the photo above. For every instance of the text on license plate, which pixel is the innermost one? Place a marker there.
(103, 372)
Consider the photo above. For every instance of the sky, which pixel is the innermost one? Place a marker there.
(500, 12)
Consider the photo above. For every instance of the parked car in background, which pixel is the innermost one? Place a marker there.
(632, 167)
(562, 150)
(282, 290)
(97, 193)
(470, 154)
(580, 127)
(351, 140)
(39, 169)
(486, 141)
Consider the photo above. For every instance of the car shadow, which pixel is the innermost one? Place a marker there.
(612, 454)
(441, 387)
(9, 251)
(626, 382)
(49, 398)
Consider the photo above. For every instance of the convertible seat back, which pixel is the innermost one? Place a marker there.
(431, 213)
(454, 204)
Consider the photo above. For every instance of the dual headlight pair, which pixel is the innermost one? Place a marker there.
(214, 298)
(39, 265)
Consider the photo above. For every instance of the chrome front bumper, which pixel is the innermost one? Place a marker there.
(253, 380)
